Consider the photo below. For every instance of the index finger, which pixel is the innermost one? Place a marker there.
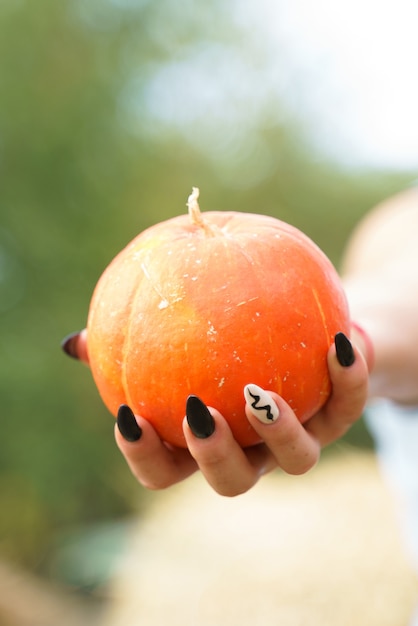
(153, 463)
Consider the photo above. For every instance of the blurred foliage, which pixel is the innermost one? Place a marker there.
(78, 179)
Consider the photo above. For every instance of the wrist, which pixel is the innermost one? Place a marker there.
(362, 339)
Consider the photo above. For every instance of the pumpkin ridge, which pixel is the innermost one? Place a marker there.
(127, 338)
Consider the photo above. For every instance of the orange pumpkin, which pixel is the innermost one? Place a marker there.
(204, 304)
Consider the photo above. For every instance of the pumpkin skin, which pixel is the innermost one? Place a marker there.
(205, 306)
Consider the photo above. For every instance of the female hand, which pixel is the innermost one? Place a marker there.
(228, 468)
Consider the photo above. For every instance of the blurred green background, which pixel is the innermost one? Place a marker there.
(93, 149)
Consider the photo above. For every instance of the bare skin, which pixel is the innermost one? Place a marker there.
(380, 274)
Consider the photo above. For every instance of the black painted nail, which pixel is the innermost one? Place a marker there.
(69, 345)
(127, 424)
(344, 350)
(199, 418)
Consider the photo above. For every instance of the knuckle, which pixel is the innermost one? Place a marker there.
(304, 465)
(232, 490)
(287, 435)
(154, 484)
(213, 457)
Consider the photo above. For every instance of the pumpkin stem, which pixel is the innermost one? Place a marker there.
(195, 214)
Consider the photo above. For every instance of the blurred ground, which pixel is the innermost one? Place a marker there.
(324, 548)
(28, 601)
(321, 549)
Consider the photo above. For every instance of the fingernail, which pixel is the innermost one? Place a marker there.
(261, 404)
(127, 424)
(69, 344)
(199, 418)
(344, 350)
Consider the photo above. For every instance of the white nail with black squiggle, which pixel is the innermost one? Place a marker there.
(261, 404)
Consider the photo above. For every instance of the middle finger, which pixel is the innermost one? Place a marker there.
(222, 461)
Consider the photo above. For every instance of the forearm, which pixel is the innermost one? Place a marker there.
(380, 273)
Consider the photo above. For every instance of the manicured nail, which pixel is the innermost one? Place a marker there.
(69, 344)
(344, 350)
(261, 404)
(127, 424)
(199, 418)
